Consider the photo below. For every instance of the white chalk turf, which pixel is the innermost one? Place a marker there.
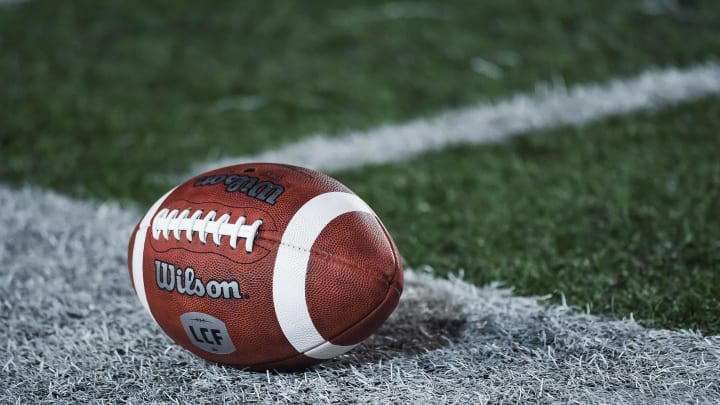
(546, 108)
(72, 330)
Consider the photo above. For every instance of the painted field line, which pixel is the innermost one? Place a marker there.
(483, 123)
(74, 330)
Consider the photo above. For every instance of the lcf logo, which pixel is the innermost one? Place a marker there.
(207, 332)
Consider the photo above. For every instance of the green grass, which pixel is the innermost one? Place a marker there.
(99, 99)
(99, 96)
(622, 216)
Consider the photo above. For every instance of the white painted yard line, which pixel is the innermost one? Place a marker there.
(67, 296)
(493, 122)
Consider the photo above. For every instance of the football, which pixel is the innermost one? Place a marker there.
(265, 266)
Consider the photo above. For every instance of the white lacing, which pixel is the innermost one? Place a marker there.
(174, 221)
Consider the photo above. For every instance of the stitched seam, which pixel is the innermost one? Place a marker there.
(331, 258)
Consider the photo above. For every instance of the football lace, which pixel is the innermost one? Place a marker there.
(176, 222)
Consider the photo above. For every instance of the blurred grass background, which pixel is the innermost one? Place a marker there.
(98, 95)
(622, 216)
(100, 99)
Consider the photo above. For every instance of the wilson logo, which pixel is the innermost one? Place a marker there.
(183, 281)
(265, 191)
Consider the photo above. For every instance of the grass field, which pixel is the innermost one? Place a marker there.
(620, 215)
(102, 96)
(102, 99)
(105, 100)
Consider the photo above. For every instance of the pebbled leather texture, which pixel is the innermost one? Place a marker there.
(353, 276)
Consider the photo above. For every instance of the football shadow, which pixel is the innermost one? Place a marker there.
(425, 319)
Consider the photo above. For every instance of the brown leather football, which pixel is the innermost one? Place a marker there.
(265, 266)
